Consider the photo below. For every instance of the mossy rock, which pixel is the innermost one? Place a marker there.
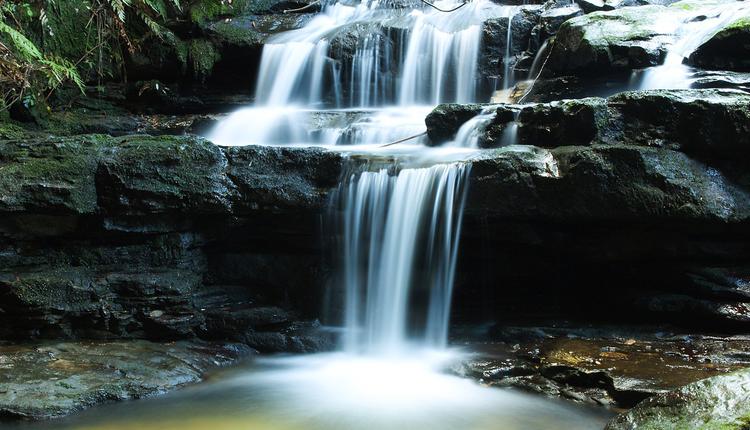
(728, 49)
(622, 39)
(55, 175)
(718, 403)
(253, 30)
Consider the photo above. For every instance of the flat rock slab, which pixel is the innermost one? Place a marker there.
(42, 381)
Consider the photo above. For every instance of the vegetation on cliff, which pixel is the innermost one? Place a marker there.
(48, 45)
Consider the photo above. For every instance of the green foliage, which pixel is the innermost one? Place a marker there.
(26, 73)
(45, 44)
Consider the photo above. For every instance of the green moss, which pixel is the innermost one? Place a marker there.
(740, 24)
(59, 172)
(206, 10)
(12, 130)
(203, 56)
(236, 34)
(52, 290)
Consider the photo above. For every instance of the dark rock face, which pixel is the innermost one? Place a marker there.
(495, 43)
(154, 237)
(604, 182)
(43, 381)
(718, 402)
(728, 49)
(703, 123)
(610, 203)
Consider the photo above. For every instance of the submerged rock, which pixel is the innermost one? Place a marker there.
(718, 402)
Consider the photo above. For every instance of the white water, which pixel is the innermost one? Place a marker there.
(471, 131)
(692, 31)
(404, 62)
(400, 236)
(437, 62)
(507, 62)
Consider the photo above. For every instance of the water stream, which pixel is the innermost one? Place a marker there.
(399, 224)
(692, 28)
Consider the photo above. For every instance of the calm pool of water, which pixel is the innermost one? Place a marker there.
(337, 391)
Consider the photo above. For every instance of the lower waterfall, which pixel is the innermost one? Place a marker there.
(400, 238)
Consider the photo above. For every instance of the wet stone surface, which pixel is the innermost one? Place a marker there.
(49, 380)
(610, 367)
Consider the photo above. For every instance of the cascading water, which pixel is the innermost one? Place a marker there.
(399, 223)
(507, 63)
(401, 232)
(470, 132)
(399, 60)
(693, 28)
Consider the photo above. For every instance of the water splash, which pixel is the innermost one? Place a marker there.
(470, 132)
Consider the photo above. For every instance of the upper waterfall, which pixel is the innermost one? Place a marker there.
(370, 66)
(373, 55)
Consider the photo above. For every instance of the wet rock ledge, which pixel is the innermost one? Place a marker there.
(54, 379)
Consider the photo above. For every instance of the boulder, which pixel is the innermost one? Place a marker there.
(445, 120)
(603, 182)
(605, 42)
(728, 49)
(552, 19)
(718, 402)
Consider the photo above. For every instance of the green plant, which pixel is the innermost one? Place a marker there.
(26, 73)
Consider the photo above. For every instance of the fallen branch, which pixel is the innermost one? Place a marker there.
(541, 69)
(445, 10)
(404, 139)
(300, 9)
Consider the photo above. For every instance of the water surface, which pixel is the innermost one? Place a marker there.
(338, 391)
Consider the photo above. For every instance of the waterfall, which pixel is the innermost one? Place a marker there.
(471, 131)
(439, 64)
(400, 240)
(371, 57)
(692, 31)
(507, 81)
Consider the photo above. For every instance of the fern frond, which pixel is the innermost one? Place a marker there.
(60, 70)
(25, 48)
